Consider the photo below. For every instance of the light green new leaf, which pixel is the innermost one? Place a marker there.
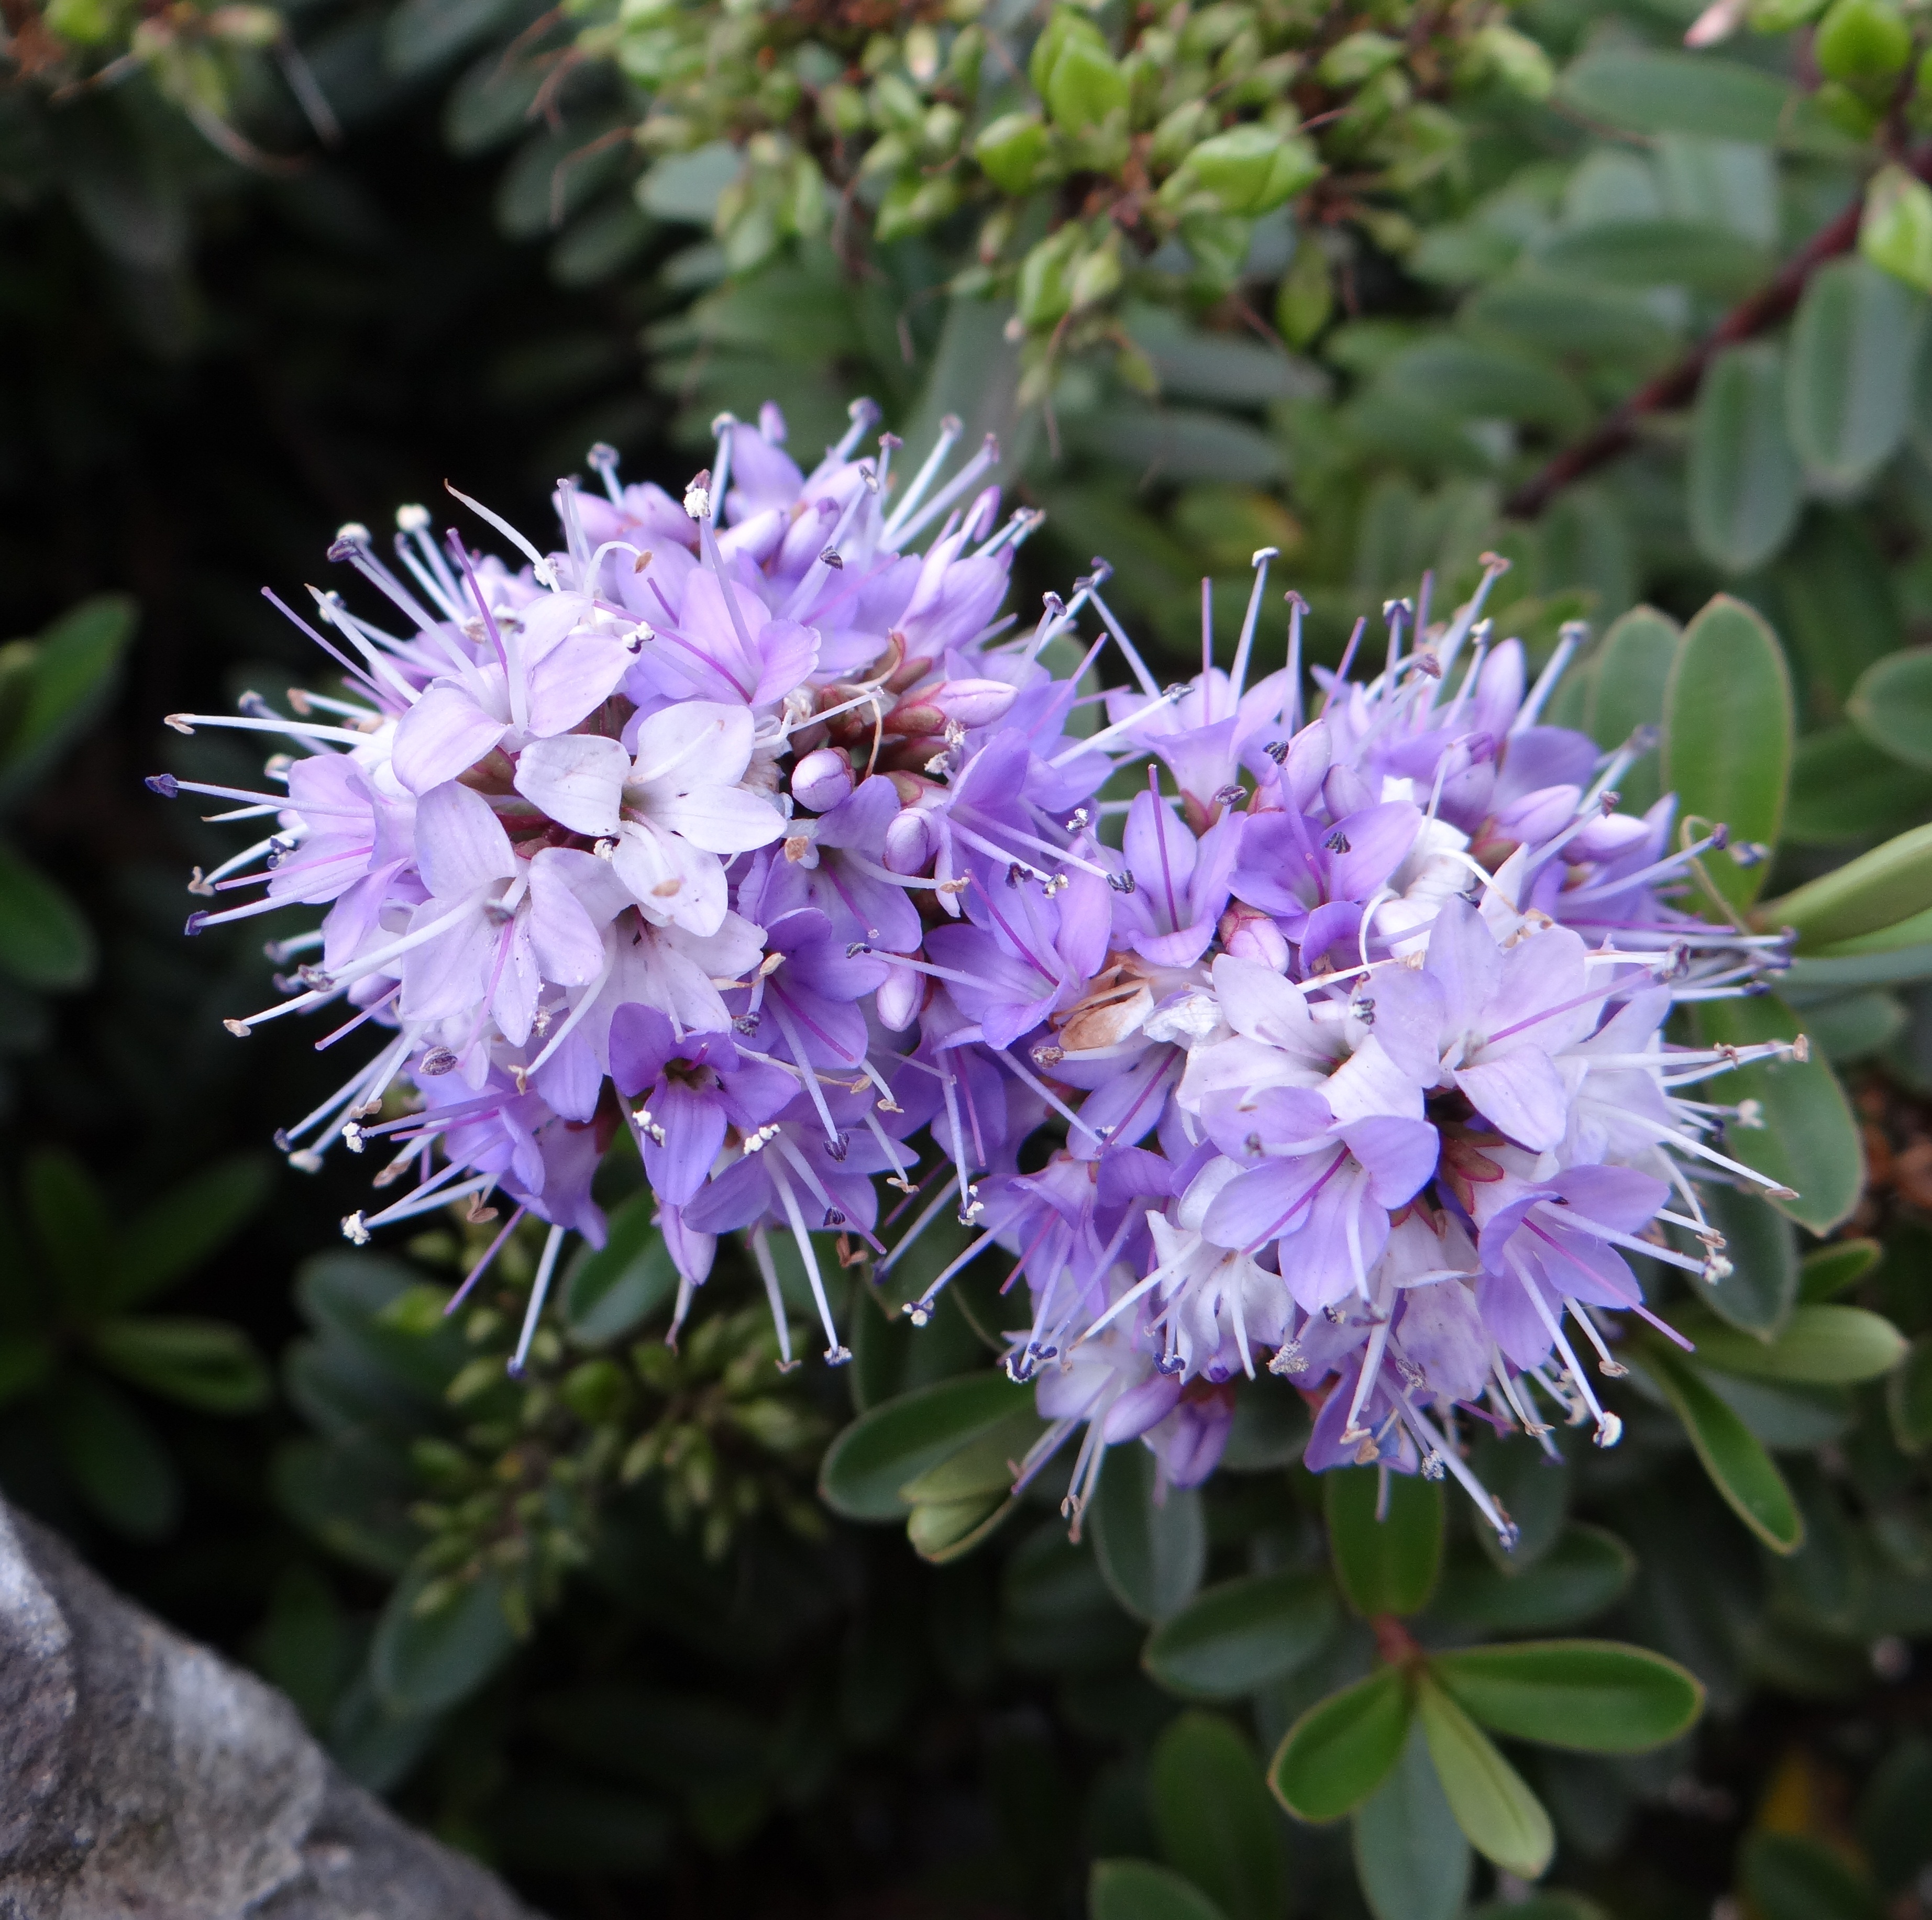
(1388, 1566)
(1503, 1819)
(1213, 1818)
(1727, 737)
(1740, 1468)
(1139, 1890)
(206, 1365)
(871, 1461)
(1819, 1346)
(1809, 1139)
(1152, 1557)
(1592, 1696)
(1241, 1635)
(1743, 479)
(1891, 706)
(1410, 1857)
(1848, 373)
(1341, 1749)
(1895, 231)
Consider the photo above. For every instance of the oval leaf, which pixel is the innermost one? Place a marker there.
(1504, 1820)
(1848, 375)
(1891, 706)
(1810, 1140)
(1389, 1564)
(871, 1460)
(1244, 1634)
(1139, 1890)
(1827, 1272)
(182, 1228)
(1820, 1346)
(1758, 1292)
(1341, 1749)
(1791, 1876)
(1740, 1468)
(206, 1365)
(1909, 1397)
(1212, 1816)
(1743, 481)
(607, 1292)
(1880, 889)
(116, 1461)
(43, 941)
(1633, 669)
(1593, 1696)
(1152, 1556)
(1727, 735)
(1410, 1857)
(1677, 93)
(1586, 1572)
(1655, 252)
(422, 1663)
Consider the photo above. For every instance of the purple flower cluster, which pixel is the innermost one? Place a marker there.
(735, 825)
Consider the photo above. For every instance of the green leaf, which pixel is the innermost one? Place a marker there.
(1505, 1822)
(1648, 92)
(1909, 1397)
(1591, 1697)
(1848, 373)
(1586, 1572)
(1836, 608)
(1152, 1557)
(869, 1463)
(1891, 706)
(71, 674)
(69, 1216)
(1213, 1818)
(1827, 1272)
(1727, 734)
(1743, 479)
(1820, 1346)
(607, 1293)
(423, 1663)
(1809, 1140)
(1740, 1468)
(1879, 889)
(1411, 1858)
(1698, 254)
(184, 1226)
(1841, 790)
(1790, 1876)
(1626, 689)
(1758, 1293)
(1242, 1635)
(44, 942)
(1388, 1566)
(1139, 1890)
(1561, 316)
(117, 1463)
(347, 1295)
(1895, 230)
(1341, 1749)
(206, 1365)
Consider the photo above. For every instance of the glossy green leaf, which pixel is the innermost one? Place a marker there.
(1596, 1697)
(1743, 479)
(1909, 1397)
(1727, 738)
(1827, 1272)
(206, 1365)
(1212, 1817)
(985, 1466)
(1759, 1292)
(607, 1292)
(1787, 1418)
(424, 1661)
(1649, 92)
(1410, 1858)
(1841, 790)
(44, 942)
(1503, 1819)
(1848, 371)
(1341, 1749)
(1791, 1876)
(115, 1459)
(1891, 706)
(1242, 1635)
(1819, 1346)
(1152, 1556)
(1633, 669)
(1139, 1890)
(1878, 890)
(171, 1238)
(72, 672)
(1587, 1570)
(1385, 1566)
(1739, 1468)
(1655, 252)
(872, 1459)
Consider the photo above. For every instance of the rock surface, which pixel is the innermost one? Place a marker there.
(143, 1775)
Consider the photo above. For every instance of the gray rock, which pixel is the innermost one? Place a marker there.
(142, 1775)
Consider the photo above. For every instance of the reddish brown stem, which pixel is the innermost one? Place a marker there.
(1677, 384)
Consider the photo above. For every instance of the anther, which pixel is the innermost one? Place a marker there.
(166, 785)
(438, 1060)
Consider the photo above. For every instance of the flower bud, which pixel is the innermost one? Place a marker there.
(899, 997)
(1536, 815)
(908, 841)
(1345, 792)
(1249, 934)
(1862, 40)
(1010, 151)
(822, 779)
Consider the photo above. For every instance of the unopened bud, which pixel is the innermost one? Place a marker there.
(822, 779)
